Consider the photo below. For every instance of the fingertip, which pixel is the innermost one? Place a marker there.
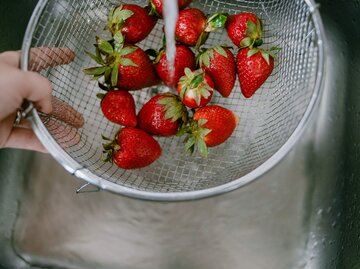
(11, 58)
(44, 57)
(69, 55)
(38, 90)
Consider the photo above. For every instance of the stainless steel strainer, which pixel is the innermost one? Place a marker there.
(271, 122)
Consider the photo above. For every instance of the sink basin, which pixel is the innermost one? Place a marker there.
(304, 213)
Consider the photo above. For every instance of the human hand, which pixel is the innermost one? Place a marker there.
(17, 86)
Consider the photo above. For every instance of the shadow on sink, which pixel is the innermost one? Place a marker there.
(301, 214)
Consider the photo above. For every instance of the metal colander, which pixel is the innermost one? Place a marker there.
(270, 122)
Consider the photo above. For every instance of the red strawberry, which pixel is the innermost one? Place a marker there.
(254, 66)
(124, 66)
(184, 57)
(132, 148)
(219, 63)
(133, 21)
(195, 88)
(119, 107)
(190, 25)
(244, 29)
(211, 126)
(138, 75)
(162, 115)
(157, 6)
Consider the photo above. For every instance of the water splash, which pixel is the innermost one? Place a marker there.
(170, 13)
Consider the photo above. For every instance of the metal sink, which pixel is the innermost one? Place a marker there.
(304, 213)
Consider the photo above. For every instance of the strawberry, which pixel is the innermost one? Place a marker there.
(162, 115)
(133, 21)
(219, 63)
(190, 25)
(254, 66)
(124, 66)
(244, 29)
(132, 148)
(210, 126)
(193, 27)
(119, 107)
(195, 88)
(184, 57)
(157, 6)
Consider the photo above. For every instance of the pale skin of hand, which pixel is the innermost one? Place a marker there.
(15, 87)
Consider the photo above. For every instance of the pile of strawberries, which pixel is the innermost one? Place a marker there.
(198, 72)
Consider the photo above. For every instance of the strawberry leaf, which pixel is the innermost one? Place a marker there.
(204, 132)
(114, 75)
(205, 91)
(104, 46)
(197, 98)
(202, 148)
(116, 18)
(216, 21)
(101, 96)
(105, 138)
(153, 10)
(205, 59)
(127, 62)
(173, 107)
(95, 70)
(96, 77)
(202, 39)
(188, 73)
(197, 80)
(128, 50)
(275, 48)
(190, 145)
(110, 16)
(201, 122)
(246, 42)
(221, 51)
(266, 56)
(183, 91)
(252, 52)
(122, 14)
(119, 41)
(107, 74)
(184, 129)
(96, 58)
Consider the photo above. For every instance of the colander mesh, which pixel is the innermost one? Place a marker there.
(267, 120)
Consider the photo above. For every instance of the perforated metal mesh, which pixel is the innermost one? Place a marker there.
(267, 120)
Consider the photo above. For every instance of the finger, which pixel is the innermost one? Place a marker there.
(65, 135)
(41, 58)
(35, 88)
(66, 113)
(22, 138)
(11, 58)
